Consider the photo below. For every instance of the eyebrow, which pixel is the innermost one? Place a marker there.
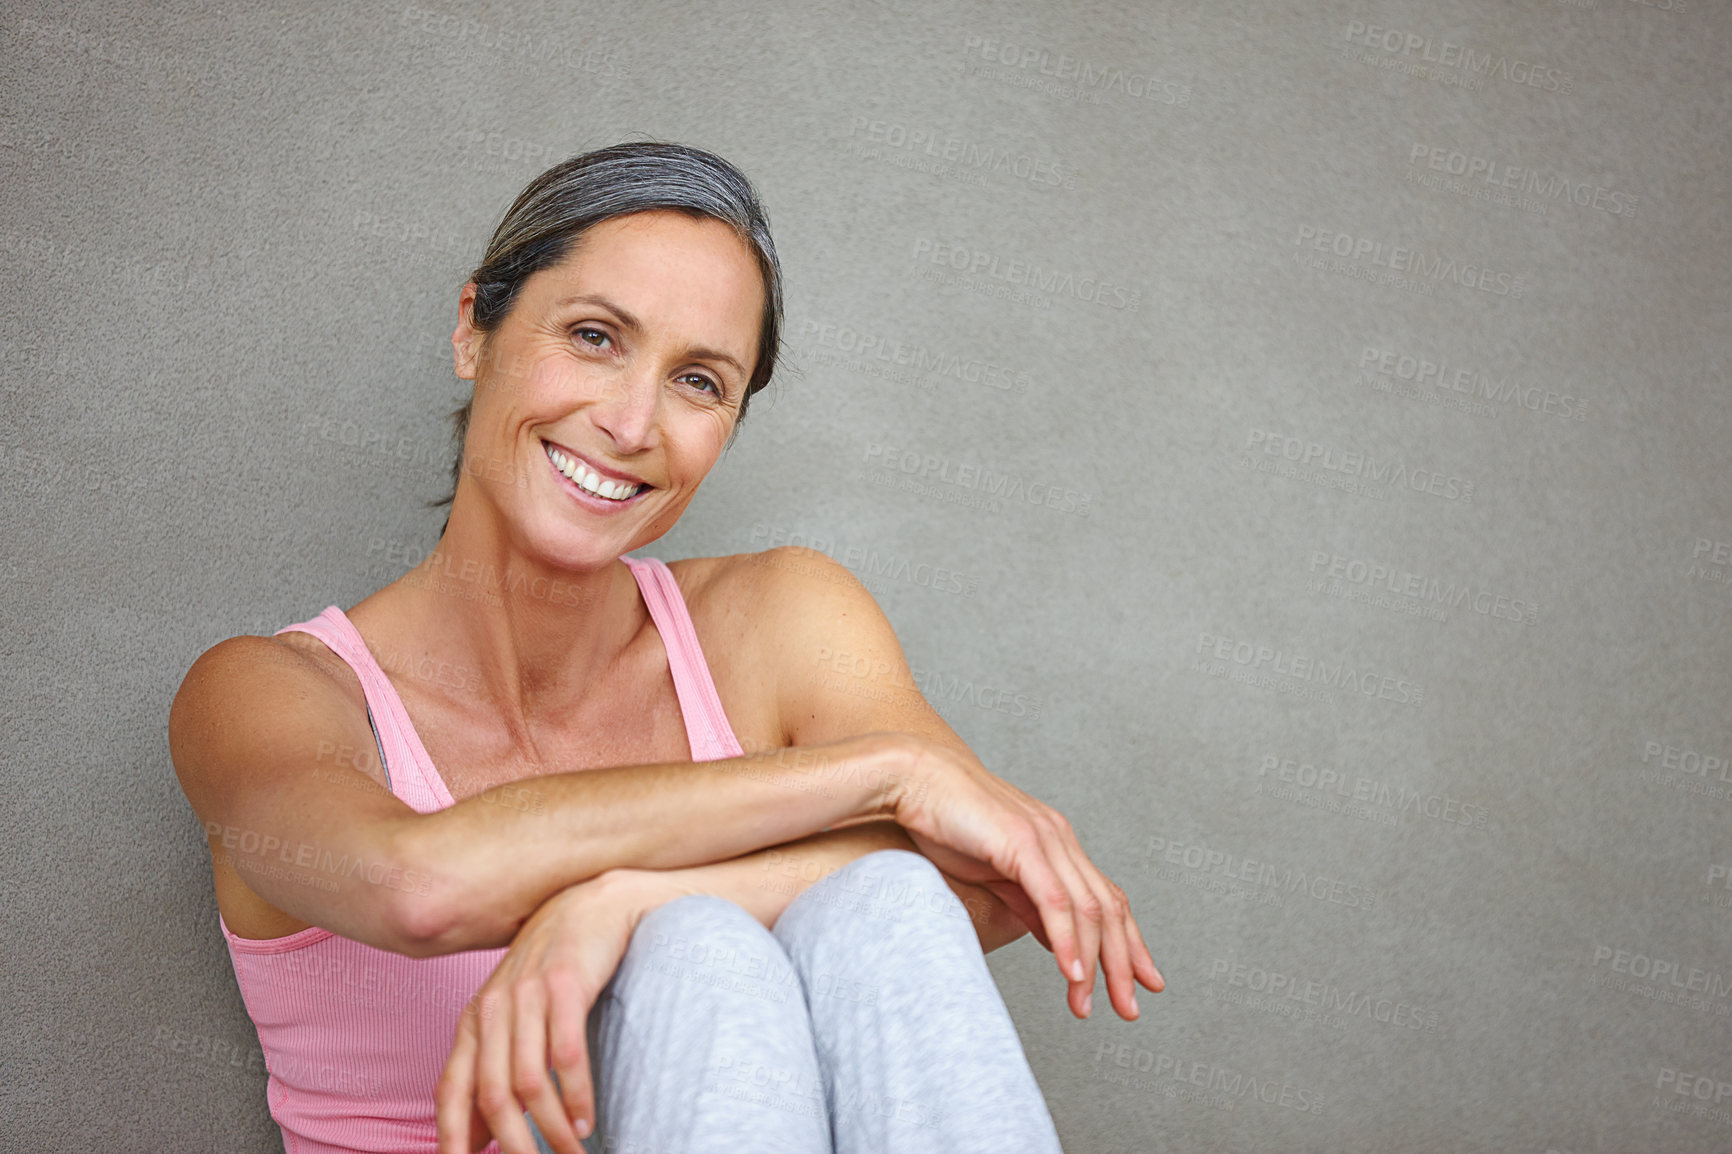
(631, 322)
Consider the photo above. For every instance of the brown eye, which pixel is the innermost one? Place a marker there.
(591, 336)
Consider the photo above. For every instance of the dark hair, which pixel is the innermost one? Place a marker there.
(559, 206)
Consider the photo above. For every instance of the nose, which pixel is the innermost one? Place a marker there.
(628, 411)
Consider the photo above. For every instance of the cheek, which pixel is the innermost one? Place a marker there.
(695, 444)
(527, 376)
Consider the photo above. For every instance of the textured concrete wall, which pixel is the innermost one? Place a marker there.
(1290, 438)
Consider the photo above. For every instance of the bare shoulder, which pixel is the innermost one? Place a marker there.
(769, 597)
(260, 679)
(786, 571)
(247, 664)
(792, 617)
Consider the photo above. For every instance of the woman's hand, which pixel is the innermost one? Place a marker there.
(979, 828)
(534, 1007)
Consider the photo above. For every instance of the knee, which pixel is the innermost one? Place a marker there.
(884, 890)
(894, 867)
(705, 945)
(697, 928)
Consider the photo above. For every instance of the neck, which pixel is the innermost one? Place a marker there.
(511, 636)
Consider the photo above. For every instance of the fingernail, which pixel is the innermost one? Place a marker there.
(582, 1127)
(1136, 1010)
(1076, 970)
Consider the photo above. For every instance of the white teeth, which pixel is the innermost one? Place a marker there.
(590, 482)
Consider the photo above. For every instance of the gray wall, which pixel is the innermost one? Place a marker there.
(1344, 549)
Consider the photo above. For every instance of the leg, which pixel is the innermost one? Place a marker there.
(918, 1051)
(700, 1041)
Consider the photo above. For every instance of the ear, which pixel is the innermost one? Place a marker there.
(466, 339)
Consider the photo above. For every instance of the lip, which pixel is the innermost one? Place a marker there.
(587, 499)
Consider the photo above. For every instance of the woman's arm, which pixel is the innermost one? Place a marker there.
(764, 883)
(271, 751)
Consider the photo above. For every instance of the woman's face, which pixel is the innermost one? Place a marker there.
(628, 360)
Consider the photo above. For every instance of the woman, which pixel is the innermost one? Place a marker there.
(562, 846)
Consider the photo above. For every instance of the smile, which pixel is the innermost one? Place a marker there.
(589, 480)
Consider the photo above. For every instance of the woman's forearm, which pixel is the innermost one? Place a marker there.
(493, 858)
(764, 883)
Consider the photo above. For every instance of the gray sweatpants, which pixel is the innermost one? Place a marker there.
(866, 1022)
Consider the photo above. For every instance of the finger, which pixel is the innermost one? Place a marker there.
(1030, 868)
(1086, 916)
(534, 1078)
(568, 1047)
(1141, 960)
(1115, 947)
(493, 1091)
(454, 1101)
(529, 1076)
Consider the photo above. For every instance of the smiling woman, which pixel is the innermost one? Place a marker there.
(564, 902)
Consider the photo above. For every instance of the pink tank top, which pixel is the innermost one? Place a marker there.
(355, 1037)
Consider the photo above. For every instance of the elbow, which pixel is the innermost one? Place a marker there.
(418, 928)
(439, 904)
(420, 908)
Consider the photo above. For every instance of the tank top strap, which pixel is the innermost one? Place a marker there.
(409, 771)
(707, 728)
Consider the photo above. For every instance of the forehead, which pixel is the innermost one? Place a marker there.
(666, 268)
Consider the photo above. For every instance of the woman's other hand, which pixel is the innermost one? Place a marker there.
(533, 1012)
(979, 828)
